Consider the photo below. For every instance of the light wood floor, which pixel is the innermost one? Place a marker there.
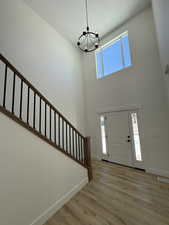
(117, 196)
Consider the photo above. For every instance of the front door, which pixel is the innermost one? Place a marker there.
(122, 138)
(119, 138)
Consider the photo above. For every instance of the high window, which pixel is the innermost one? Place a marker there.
(113, 56)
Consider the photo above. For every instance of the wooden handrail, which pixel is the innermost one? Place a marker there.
(10, 66)
(69, 140)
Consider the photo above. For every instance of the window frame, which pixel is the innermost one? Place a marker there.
(103, 134)
(138, 154)
(119, 37)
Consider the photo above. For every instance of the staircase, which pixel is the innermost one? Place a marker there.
(24, 104)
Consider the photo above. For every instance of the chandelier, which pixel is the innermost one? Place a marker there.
(88, 41)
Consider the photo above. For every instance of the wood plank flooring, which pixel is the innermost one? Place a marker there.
(117, 196)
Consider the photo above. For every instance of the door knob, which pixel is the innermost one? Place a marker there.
(128, 140)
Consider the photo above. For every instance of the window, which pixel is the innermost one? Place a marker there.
(103, 135)
(136, 137)
(113, 56)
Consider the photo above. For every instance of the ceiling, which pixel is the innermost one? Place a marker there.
(68, 17)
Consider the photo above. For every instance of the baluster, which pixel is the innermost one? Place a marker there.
(70, 140)
(5, 83)
(40, 114)
(28, 105)
(76, 146)
(21, 94)
(34, 110)
(50, 132)
(13, 93)
(79, 147)
(66, 139)
(82, 150)
(73, 142)
(63, 146)
(55, 126)
(45, 118)
(59, 130)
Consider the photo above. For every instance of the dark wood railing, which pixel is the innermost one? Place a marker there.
(23, 103)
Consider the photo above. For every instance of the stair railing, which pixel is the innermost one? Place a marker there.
(23, 103)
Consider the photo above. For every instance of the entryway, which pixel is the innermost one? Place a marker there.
(121, 142)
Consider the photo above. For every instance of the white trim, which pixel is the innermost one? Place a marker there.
(163, 173)
(119, 109)
(113, 40)
(59, 203)
(163, 179)
(102, 47)
(122, 52)
(137, 163)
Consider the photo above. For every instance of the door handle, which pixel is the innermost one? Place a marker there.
(128, 140)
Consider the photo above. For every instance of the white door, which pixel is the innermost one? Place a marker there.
(122, 138)
(119, 138)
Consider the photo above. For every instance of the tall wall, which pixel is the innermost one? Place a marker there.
(140, 86)
(161, 16)
(35, 178)
(49, 62)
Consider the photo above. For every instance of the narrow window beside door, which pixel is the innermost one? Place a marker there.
(103, 135)
(136, 136)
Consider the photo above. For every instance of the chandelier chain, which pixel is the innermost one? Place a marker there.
(87, 15)
(88, 40)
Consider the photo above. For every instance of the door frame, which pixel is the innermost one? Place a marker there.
(129, 108)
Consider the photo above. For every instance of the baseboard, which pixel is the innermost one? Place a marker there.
(59, 203)
(157, 172)
(163, 179)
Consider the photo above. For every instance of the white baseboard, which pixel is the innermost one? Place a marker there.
(157, 172)
(163, 179)
(59, 203)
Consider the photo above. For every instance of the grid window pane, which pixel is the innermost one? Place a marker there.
(114, 57)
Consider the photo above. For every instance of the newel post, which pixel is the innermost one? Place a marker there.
(88, 163)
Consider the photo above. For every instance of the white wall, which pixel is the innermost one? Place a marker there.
(35, 179)
(140, 85)
(48, 61)
(161, 16)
